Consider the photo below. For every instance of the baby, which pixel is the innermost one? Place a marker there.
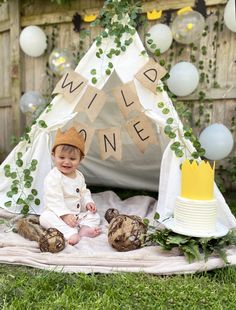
(69, 206)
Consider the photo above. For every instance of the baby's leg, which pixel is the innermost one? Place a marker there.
(85, 231)
(49, 219)
(88, 228)
(91, 232)
(74, 239)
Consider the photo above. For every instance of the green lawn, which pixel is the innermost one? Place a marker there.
(27, 288)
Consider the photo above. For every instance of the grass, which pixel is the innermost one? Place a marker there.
(26, 288)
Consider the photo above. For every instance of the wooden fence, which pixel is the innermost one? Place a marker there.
(21, 73)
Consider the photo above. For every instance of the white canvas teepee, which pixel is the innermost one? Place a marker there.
(157, 166)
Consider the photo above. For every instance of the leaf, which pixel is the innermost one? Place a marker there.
(14, 190)
(165, 111)
(179, 153)
(156, 216)
(191, 251)
(34, 192)
(20, 201)
(30, 197)
(7, 173)
(27, 184)
(167, 129)
(26, 172)
(25, 210)
(37, 202)
(19, 155)
(7, 167)
(10, 194)
(222, 255)
(42, 124)
(7, 204)
(146, 221)
(94, 80)
(160, 105)
(177, 239)
(170, 120)
(28, 178)
(172, 135)
(19, 162)
(13, 175)
(34, 162)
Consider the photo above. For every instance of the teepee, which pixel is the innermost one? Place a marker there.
(156, 167)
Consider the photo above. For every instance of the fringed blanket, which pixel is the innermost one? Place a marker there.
(92, 255)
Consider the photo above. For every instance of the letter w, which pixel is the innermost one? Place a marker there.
(70, 84)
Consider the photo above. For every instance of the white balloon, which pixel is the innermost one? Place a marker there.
(229, 15)
(184, 79)
(33, 41)
(161, 36)
(217, 141)
(31, 101)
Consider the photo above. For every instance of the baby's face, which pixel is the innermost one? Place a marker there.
(66, 161)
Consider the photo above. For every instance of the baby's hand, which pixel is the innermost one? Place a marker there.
(70, 219)
(91, 207)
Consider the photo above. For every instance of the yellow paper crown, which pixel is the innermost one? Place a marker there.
(69, 137)
(153, 15)
(89, 18)
(197, 180)
(184, 10)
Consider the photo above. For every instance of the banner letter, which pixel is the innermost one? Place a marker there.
(70, 85)
(150, 74)
(141, 131)
(127, 98)
(110, 143)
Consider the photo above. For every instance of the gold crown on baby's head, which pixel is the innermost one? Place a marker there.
(69, 137)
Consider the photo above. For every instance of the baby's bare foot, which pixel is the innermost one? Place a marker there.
(91, 232)
(74, 239)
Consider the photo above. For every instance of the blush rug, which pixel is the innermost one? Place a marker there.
(95, 255)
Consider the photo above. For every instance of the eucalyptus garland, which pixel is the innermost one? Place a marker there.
(21, 179)
(110, 19)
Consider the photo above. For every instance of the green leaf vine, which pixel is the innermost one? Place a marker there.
(21, 180)
(179, 135)
(110, 19)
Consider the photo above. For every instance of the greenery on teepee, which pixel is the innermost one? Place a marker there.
(22, 179)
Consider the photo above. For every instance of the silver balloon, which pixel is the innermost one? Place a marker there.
(61, 60)
(188, 27)
(31, 101)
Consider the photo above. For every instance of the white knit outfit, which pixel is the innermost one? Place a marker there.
(64, 195)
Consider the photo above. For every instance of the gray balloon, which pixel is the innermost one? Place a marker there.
(61, 60)
(31, 101)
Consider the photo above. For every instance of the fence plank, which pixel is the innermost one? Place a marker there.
(15, 70)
